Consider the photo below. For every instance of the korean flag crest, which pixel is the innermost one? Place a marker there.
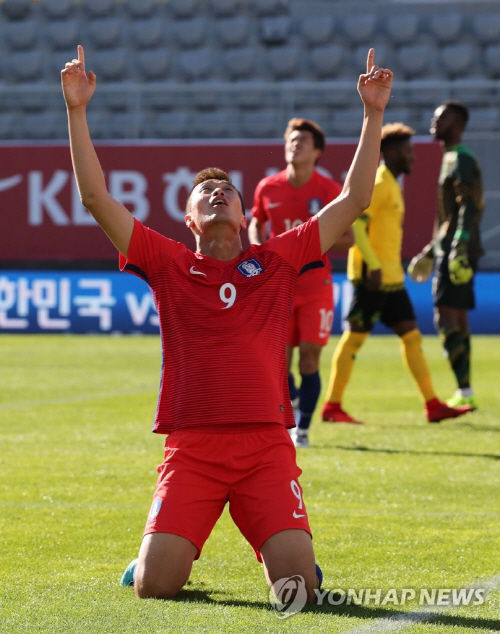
(250, 268)
(314, 205)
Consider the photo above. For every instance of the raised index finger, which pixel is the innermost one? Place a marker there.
(370, 59)
(81, 54)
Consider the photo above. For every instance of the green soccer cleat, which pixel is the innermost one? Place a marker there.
(457, 400)
(129, 574)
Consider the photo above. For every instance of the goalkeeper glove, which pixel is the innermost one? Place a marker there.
(420, 267)
(458, 265)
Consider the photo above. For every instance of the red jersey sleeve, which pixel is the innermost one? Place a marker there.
(300, 247)
(258, 210)
(147, 251)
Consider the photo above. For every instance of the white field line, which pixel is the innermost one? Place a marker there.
(402, 621)
(72, 399)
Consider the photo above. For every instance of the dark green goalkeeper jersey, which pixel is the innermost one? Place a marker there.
(461, 202)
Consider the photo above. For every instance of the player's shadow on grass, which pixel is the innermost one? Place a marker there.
(412, 452)
(351, 611)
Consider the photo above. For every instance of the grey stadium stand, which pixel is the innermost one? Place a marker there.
(325, 61)
(21, 35)
(105, 33)
(240, 62)
(486, 27)
(446, 27)
(225, 7)
(16, 9)
(190, 33)
(283, 61)
(61, 34)
(402, 28)
(141, 8)
(153, 64)
(98, 8)
(275, 30)
(58, 9)
(317, 30)
(147, 33)
(183, 8)
(232, 31)
(360, 27)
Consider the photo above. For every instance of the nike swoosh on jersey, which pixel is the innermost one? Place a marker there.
(297, 515)
(193, 271)
(272, 205)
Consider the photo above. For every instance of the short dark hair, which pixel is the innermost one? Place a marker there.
(209, 174)
(299, 123)
(459, 109)
(393, 133)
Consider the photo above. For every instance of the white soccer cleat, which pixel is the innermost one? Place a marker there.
(300, 437)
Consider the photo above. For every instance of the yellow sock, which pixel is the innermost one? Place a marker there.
(342, 364)
(413, 357)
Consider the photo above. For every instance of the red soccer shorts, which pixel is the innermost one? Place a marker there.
(255, 470)
(311, 317)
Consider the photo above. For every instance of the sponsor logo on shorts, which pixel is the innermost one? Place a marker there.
(250, 268)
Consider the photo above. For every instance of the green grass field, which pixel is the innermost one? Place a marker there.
(397, 503)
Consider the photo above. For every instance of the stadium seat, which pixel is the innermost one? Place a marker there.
(395, 115)
(190, 33)
(283, 61)
(359, 27)
(427, 91)
(232, 31)
(98, 121)
(183, 8)
(458, 59)
(486, 27)
(22, 35)
(402, 27)
(153, 64)
(216, 124)
(98, 8)
(141, 8)
(415, 59)
(317, 29)
(446, 27)
(126, 125)
(492, 60)
(484, 120)
(24, 66)
(255, 94)
(147, 33)
(171, 125)
(46, 126)
(274, 30)
(105, 33)
(195, 64)
(348, 122)
(262, 124)
(16, 9)
(240, 62)
(7, 126)
(325, 61)
(475, 91)
(224, 7)
(58, 9)
(61, 34)
(110, 65)
(270, 7)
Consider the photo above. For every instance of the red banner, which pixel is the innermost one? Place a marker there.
(42, 218)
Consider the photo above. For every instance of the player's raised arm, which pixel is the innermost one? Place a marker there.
(374, 88)
(113, 217)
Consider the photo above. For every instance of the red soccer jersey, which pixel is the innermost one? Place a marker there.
(284, 207)
(223, 326)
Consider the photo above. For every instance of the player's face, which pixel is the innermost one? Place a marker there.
(442, 123)
(213, 202)
(406, 157)
(299, 148)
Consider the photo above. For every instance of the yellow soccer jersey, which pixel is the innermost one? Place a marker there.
(383, 224)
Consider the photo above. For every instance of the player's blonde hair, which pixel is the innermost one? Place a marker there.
(395, 132)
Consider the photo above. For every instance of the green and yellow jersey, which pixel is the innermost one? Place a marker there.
(378, 233)
(461, 202)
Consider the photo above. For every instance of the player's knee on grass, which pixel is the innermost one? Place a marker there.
(290, 553)
(164, 565)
